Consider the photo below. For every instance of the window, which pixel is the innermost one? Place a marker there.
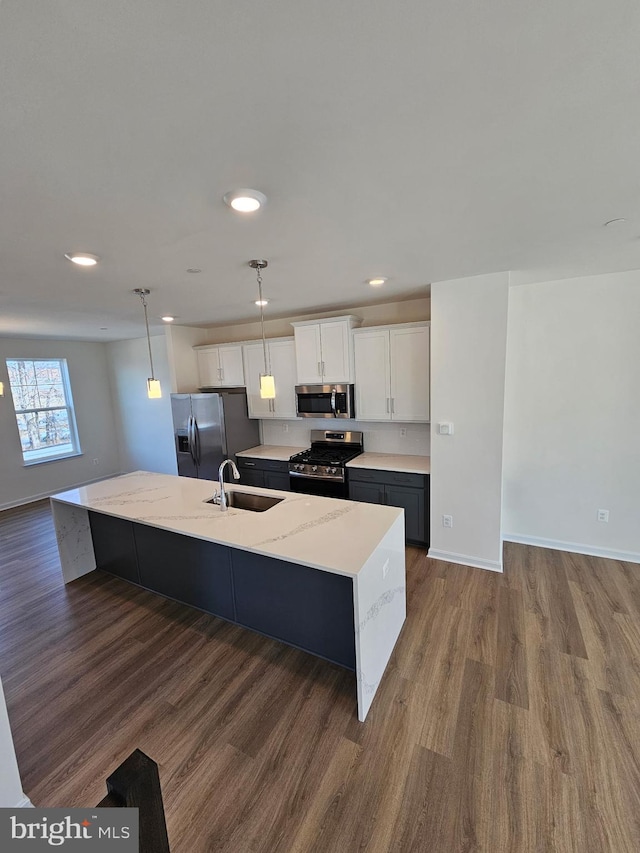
(44, 408)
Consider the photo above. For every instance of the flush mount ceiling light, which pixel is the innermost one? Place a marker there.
(245, 200)
(154, 391)
(168, 318)
(377, 282)
(267, 382)
(262, 302)
(194, 270)
(83, 259)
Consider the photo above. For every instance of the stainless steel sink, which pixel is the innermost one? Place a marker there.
(246, 500)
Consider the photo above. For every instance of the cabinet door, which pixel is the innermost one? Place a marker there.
(231, 367)
(410, 374)
(310, 609)
(253, 367)
(372, 375)
(208, 368)
(283, 367)
(189, 570)
(369, 493)
(251, 477)
(114, 546)
(277, 480)
(412, 502)
(335, 350)
(308, 354)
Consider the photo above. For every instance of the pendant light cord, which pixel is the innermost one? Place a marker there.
(267, 367)
(146, 323)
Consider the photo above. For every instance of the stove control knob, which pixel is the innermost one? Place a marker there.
(333, 471)
(314, 467)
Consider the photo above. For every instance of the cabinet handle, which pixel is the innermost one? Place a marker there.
(320, 368)
(219, 373)
(387, 405)
(393, 408)
(322, 363)
(249, 464)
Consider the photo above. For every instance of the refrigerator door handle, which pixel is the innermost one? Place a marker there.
(196, 442)
(190, 439)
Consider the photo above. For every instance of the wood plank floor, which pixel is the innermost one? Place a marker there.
(508, 719)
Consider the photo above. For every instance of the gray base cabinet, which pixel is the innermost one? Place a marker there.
(408, 491)
(114, 546)
(301, 606)
(266, 473)
(189, 570)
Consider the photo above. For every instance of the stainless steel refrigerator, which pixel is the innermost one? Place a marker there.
(209, 428)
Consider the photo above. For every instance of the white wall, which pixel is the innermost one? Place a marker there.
(411, 310)
(468, 351)
(11, 794)
(89, 378)
(378, 437)
(183, 363)
(572, 414)
(145, 427)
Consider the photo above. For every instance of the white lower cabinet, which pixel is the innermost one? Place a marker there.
(220, 366)
(281, 354)
(392, 373)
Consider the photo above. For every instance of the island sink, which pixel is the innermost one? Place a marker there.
(244, 500)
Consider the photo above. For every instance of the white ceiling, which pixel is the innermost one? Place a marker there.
(418, 139)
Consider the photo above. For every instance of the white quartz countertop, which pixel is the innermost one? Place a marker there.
(332, 535)
(392, 462)
(272, 451)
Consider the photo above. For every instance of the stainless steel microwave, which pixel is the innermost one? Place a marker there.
(325, 401)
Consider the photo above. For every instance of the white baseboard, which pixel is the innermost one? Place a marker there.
(32, 498)
(474, 562)
(574, 547)
(24, 803)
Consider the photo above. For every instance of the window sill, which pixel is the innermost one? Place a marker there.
(46, 459)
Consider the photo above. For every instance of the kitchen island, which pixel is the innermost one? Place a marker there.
(325, 575)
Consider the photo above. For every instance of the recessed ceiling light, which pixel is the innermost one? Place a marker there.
(103, 328)
(83, 259)
(376, 282)
(245, 200)
(614, 222)
(262, 302)
(168, 318)
(194, 269)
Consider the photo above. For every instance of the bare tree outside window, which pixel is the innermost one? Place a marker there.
(44, 408)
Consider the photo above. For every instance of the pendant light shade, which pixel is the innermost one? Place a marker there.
(267, 381)
(154, 391)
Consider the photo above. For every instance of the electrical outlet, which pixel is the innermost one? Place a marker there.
(603, 515)
(403, 432)
(447, 521)
(95, 461)
(285, 427)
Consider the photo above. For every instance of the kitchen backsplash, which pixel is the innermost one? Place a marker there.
(378, 437)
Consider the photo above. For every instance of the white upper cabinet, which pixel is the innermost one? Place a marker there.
(392, 373)
(373, 374)
(220, 366)
(281, 354)
(324, 350)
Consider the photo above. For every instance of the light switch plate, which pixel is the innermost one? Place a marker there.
(445, 428)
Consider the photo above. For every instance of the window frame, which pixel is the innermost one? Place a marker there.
(69, 407)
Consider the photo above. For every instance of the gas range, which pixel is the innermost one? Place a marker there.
(324, 462)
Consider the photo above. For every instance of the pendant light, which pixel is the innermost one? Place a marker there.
(154, 391)
(267, 382)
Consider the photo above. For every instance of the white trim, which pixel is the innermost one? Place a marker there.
(475, 562)
(24, 803)
(32, 498)
(574, 547)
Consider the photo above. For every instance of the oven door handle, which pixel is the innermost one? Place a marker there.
(335, 478)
